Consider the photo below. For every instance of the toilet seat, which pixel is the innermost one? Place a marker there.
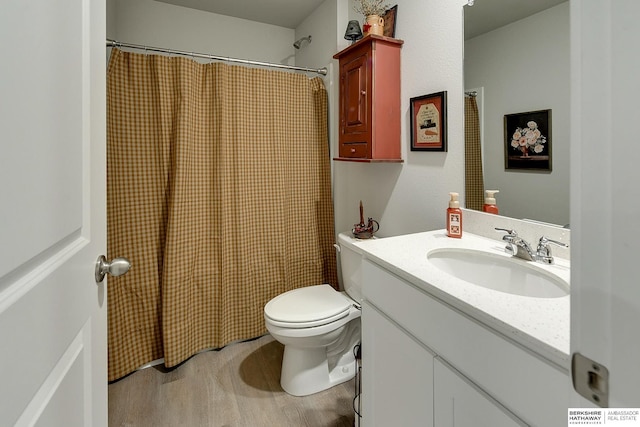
(307, 307)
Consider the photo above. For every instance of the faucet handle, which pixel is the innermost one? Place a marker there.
(510, 236)
(543, 244)
(544, 251)
(512, 232)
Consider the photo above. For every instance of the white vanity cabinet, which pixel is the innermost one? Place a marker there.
(426, 363)
(461, 403)
(398, 384)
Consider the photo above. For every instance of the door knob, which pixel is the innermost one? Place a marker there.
(117, 267)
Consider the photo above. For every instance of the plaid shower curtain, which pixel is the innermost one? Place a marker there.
(474, 180)
(218, 191)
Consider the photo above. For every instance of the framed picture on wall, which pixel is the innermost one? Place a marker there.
(527, 140)
(390, 22)
(429, 122)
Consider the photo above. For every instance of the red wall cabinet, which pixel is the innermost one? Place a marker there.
(370, 100)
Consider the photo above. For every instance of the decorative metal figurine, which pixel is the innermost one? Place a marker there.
(362, 230)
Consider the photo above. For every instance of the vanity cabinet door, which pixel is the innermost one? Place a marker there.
(459, 403)
(397, 375)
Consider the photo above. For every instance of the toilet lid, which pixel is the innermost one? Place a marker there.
(310, 304)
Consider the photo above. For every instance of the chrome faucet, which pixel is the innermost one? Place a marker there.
(543, 253)
(520, 248)
(517, 246)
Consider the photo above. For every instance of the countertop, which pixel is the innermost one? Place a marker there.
(539, 324)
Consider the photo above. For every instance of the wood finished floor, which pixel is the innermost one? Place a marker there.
(236, 386)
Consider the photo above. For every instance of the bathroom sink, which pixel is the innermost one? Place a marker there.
(514, 276)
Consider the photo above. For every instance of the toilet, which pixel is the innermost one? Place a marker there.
(319, 327)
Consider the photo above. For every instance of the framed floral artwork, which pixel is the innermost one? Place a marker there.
(528, 140)
(429, 122)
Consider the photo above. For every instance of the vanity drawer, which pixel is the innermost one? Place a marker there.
(522, 381)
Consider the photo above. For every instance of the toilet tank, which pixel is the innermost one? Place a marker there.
(350, 256)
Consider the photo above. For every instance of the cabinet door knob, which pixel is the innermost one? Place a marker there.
(353, 150)
(363, 92)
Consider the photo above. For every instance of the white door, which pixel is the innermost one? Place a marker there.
(605, 193)
(52, 213)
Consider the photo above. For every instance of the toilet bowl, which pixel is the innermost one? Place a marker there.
(319, 327)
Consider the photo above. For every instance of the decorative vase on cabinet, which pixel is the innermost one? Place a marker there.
(370, 100)
(374, 25)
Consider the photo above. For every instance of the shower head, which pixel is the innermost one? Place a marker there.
(298, 42)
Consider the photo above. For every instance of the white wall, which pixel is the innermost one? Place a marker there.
(524, 66)
(151, 23)
(321, 25)
(413, 196)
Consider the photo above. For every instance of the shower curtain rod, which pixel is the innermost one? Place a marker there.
(471, 93)
(114, 43)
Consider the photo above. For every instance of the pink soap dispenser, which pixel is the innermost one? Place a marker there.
(454, 217)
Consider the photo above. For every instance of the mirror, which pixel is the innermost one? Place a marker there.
(516, 58)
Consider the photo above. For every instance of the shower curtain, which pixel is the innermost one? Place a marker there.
(218, 191)
(474, 180)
